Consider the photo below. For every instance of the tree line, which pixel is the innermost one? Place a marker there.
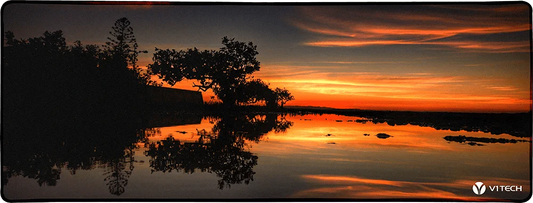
(45, 77)
(48, 76)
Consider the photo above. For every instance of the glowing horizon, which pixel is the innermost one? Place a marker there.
(410, 92)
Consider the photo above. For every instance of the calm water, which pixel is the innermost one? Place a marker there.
(266, 156)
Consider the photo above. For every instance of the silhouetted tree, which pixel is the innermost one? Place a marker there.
(226, 71)
(223, 71)
(122, 50)
(283, 96)
(37, 75)
(46, 77)
(123, 43)
(254, 91)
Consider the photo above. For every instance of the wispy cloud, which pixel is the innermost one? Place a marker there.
(373, 82)
(504, 88)
(357, 62)
(492, 47)
(368, 26)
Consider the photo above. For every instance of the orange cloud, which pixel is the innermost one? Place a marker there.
(498, 47)
(504, 88)
(369, 27)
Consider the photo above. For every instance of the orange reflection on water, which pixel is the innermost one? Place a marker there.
(336, 160)
(351, 125)
(364, 188)
(341, 141)
(315, 132)
(187, 133)
(373, 188)
(341, 179)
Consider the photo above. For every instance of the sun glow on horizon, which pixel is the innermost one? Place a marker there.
(463, 62)
(419, 92)
(378, 92)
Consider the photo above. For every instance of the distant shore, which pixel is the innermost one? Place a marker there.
(319, 108)
(515, 124)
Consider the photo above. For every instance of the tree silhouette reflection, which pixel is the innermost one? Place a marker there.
(49, 148)
(118, 171)
(221, 151)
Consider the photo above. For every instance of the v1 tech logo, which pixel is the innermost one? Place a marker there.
(479, 188)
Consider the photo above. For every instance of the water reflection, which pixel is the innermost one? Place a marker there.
(221, 151)
(518, 124)
(41, 150)
(118, 171)
(357, 187)
(365, 188)
(239, 155)
(111, 146)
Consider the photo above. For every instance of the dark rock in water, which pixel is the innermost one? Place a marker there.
(475, 140)
(366, 134)
(383, 136)
(328, 135)
(459, 138)
(331, 142)
(475, 144)
(338, 120)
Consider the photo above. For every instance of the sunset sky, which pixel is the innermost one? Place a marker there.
(422, 57)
